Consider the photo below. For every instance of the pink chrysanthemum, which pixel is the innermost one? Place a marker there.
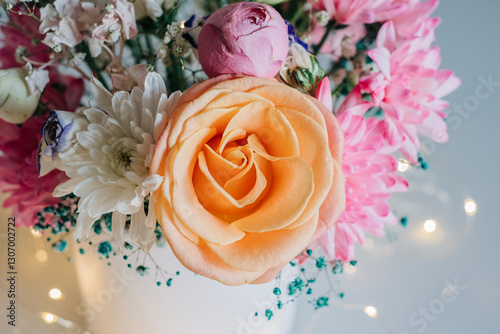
(371, 177)
(361, 11)
(416, 19)
(409, 88)
(19, 175)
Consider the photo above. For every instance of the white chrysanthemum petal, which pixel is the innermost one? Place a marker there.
(164, 109)
(65, 188)
(87, 187)
(86, 139)
(96, 132)
(96, 154)
(136, 97)
(88, 171)
(151, 217)
(151, 183)
(118, 227)
(94, 115)
(136, 131)
(117, 101)
(128, 114)
(154, 88)
(102, 201)
(139, 232)
(143, 149)
(148, 121)
(101, 95)
(109, 158)
(83, 225)
(126, 199)
(115, 127)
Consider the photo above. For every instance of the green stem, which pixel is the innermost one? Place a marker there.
(296, 15)
(151, 56)
(175, 75)
(93, 66)
(329, 28)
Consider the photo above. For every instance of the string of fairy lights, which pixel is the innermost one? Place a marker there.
(429, 226)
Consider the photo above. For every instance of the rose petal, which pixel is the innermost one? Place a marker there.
(261, 251)
(293, 186)
(200, 259)
(184, 201)
(315, 151)
(270, 125)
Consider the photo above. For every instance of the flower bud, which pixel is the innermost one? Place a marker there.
(301, 69)
(16, 102)
(58, 137)
(243, 38)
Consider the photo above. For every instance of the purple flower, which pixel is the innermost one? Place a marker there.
(292, 36)
(58, 134)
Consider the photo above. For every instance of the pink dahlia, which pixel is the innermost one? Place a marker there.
(409, 88)
(29, 194)
(370, 177)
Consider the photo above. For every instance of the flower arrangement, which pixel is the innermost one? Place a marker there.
(246, 138)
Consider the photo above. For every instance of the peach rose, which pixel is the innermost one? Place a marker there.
(252, 177)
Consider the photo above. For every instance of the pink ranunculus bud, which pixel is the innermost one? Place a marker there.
(243, 38)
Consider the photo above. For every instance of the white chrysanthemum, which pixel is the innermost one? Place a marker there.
(108, 163)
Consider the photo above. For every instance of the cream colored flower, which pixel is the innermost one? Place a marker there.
(17, 104)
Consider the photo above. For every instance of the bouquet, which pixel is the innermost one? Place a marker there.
(246, 136)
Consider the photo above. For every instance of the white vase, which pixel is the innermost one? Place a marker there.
(115, 299)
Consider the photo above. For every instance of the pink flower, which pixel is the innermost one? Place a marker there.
(361, 11)
(36, 79)
(19, 174)
(63, 92)
(127, 78)
(341, 42)
(408, 88)
(370, 176)
(243, 38)
(22, 33)
(120, 21)
(415, 20)
(60, 23)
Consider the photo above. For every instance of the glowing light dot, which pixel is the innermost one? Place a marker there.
(41, 255)
(430, 226)
(403, 166)
(55, 294)
(470, 207)
(371, 311)
(369, 244)
(49, 317)
(350, 269)
(36, 233)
